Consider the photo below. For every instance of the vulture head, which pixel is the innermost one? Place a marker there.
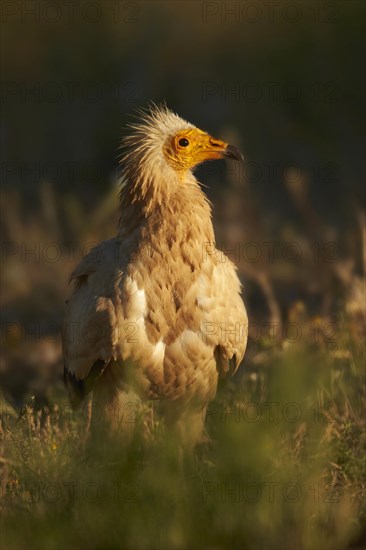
(162, 149)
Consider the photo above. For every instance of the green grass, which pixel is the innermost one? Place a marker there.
(282, 466)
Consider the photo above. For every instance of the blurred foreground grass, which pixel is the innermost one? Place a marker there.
(282, 466)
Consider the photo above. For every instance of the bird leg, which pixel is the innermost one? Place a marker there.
(184, 428)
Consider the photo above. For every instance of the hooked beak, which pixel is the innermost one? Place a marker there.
(233, 152)
(217, 149)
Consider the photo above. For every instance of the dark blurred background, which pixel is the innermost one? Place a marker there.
(284, 81)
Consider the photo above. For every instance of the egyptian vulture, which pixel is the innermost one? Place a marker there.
(156, 312)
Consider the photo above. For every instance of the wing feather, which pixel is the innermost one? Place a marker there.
(90, 331)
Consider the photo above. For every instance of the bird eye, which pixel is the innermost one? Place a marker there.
(183, 142)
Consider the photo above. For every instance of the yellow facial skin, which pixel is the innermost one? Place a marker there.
(193, 146)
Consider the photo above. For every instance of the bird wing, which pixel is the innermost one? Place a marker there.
(225, 321)
(90, 331)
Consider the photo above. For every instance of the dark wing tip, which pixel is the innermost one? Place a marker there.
(78, 388)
